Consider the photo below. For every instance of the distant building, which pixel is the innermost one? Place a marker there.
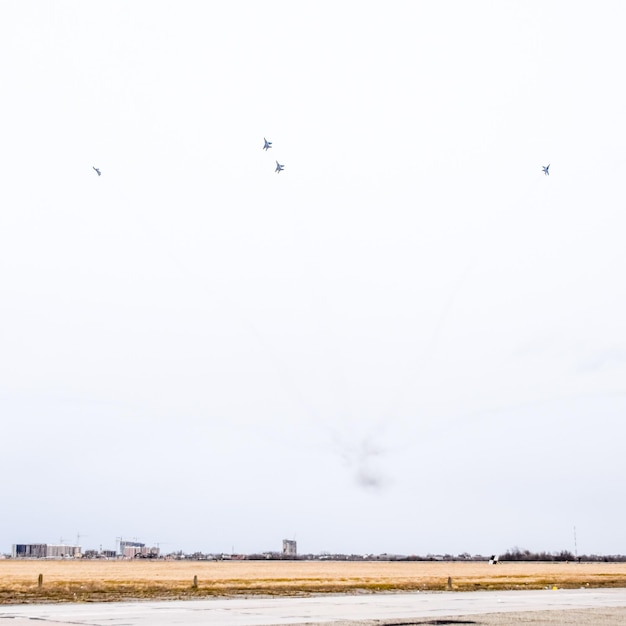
(61, 551)
(28, 551)
(43, 551)
(129, 548)
(134, 549)
(99, 554)
(289, 548)
(148, 553)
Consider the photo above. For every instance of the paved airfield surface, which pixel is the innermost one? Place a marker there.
(573, 606)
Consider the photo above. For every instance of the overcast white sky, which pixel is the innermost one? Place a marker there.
(409, 341)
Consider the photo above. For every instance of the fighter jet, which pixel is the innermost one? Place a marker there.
(279, 167)
(545, 170)
(268, 144)
(97, 171)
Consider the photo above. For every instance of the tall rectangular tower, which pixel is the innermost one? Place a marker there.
(289, 548)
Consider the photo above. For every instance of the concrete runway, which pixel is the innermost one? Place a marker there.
(400, 608)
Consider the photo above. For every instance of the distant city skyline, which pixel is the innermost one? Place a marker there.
(138, 550)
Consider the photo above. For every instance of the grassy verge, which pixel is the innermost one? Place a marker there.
(115, 581)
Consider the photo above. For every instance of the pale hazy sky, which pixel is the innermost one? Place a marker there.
(409, 341)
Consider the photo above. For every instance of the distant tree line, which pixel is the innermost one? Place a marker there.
(519, 554)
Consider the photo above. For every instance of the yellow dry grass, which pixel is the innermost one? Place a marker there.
(118, 580)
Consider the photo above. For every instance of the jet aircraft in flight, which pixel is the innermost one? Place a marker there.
(268, 144)
(279, 167)
(97, 171)
(545, 170)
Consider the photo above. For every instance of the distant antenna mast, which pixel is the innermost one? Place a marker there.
(575, 545)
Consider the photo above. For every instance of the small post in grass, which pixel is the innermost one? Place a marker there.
(40, 581)
(449, 583)
(195, 582)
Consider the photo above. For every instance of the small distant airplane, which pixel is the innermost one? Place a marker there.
(268, 144)
(545, 170)
(279, 167)
(97, 171)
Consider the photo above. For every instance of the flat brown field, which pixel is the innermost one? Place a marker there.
(90, 581)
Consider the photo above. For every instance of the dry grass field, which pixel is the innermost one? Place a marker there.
(90, 581)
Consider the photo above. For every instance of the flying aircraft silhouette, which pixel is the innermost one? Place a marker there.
(97, 171)
(268, 144)
(279, 167)
(545, 170)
